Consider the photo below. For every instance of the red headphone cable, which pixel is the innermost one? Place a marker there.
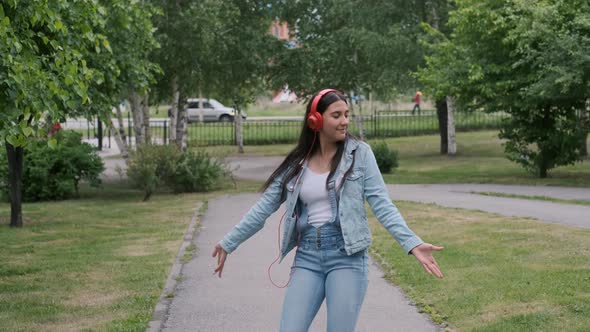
(298, 228)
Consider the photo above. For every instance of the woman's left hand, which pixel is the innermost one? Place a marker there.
(423, 254)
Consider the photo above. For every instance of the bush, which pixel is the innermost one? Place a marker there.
(386, 158)
(54, 174)
(196, 172)
(154, 166)
(150, 165)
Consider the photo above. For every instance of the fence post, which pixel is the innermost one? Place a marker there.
(165, 131)
(99, 134)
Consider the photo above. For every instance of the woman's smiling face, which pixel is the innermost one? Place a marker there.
(335, 121)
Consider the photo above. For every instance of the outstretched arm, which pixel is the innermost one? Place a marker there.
(252, 222)
(388, 214)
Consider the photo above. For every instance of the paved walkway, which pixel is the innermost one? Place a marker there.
(245, 300)
(463, 196)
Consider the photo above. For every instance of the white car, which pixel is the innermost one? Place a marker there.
(212, 111)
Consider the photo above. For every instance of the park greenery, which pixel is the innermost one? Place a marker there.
(119, 248)
(529, 60)
(154, 167)
(55, 173)
(385, 156)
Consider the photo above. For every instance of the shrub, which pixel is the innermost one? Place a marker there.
(196, 172)
(155, 166)
(150, 165)
(54, 174)
(386, 158)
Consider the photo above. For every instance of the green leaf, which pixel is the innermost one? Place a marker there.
(12, 140)
(52, 143)
(28, 131)
(59, 25)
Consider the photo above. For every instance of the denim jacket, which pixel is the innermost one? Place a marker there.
(348, 205)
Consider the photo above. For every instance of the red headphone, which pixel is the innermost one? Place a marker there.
(315, 121)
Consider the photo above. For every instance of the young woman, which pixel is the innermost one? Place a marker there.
(324, 182)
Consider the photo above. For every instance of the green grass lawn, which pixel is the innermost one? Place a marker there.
(95, 263)
(100, 262)
(480, 159)
(501, 274)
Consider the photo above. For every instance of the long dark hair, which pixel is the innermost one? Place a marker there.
(294, 159)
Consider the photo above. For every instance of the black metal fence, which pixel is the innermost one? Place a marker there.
(395, 124)
(260, 132)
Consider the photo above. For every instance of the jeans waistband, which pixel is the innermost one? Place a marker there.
(327, 230)
(327, 236)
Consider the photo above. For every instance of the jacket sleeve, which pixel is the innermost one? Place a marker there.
(254, 220)
(386, 212)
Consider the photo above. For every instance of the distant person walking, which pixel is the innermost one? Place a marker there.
(324, 182)
(416, 100)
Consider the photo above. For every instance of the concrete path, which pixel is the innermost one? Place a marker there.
(245, 300)
(461, 196)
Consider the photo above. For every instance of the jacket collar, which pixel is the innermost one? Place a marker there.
(346, 161)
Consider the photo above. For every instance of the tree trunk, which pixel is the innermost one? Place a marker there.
(174, 110)
(181, 125)
(585, 123)
(145, 110)
(452, 144)
(121, 129)
(441, 112)
(15, 176)
(543, 168)
(120, 141)
(357, 118)
(137, 114)
(238, 124)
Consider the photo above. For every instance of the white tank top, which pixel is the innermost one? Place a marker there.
(315, 197)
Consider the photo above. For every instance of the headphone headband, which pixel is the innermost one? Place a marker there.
(314, 119)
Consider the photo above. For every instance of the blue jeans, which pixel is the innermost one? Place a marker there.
(322, 269)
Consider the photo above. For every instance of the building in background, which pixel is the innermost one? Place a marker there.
(281, 31)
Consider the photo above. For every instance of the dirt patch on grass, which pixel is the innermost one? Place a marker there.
(72, 324)
(497, 311)
(91, 298)
(137, 250)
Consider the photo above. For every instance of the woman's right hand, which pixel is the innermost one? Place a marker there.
(221, 256)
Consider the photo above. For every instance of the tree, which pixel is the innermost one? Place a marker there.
(358, 46)
(539, 75)
(442, 76)
(243, 56)
(128, 69)
(188, 32)
(43, 71)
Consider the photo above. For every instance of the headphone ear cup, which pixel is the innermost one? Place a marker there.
(315, 121)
